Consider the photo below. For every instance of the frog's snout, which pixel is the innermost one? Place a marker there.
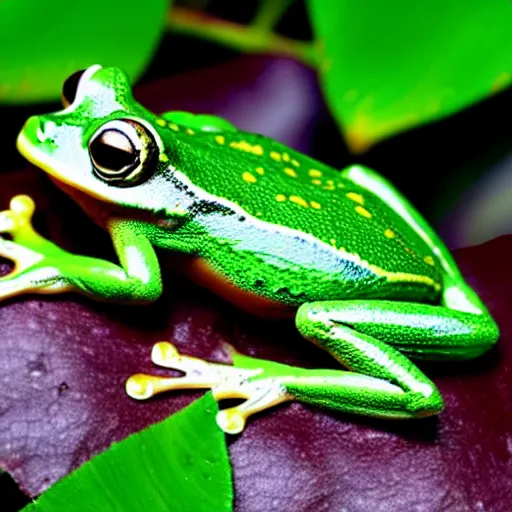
(32, 133)
(33, 139)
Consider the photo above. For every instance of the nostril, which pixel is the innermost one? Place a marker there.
(41, 137)
(35, 126)
(33, 131)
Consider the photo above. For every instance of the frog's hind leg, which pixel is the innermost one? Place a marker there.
(457, 294)
(373, 337)
(370, 338)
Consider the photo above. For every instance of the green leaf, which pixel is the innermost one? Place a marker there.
(180, 464)
(42, 43)
(389, 66)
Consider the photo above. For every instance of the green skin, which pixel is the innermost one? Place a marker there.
(364, 275)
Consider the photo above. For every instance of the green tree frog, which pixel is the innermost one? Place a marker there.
(269, 229)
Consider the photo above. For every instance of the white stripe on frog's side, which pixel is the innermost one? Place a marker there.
(287, 248)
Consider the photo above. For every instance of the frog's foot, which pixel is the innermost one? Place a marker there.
(27, 250)
(224, 380)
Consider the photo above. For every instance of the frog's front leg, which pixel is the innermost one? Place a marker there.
(43, 267)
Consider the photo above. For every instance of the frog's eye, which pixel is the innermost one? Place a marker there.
(70, 87)
(123, 152)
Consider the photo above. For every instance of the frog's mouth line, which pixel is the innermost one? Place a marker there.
(40, 159)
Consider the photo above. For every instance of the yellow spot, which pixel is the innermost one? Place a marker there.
(389, 233)
(316, 181)
(358, 198)
(429, 260)
(329, 187)
(286, 157)
(275, 156)
(247, 176)
(161, 122)
(163, 157)
(290, 172)
(333, 242)
(315, 205)
(364, 212)
(189, 131)
(260, 171)
(248, 148)
(220, 139)
(314, 173)
(258, 214)
(298, 200)
(408, 250)
(295, 162)
(393, 277)
(174, 127)
(280, 198)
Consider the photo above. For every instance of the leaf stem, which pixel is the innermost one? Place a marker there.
(269, 13)
(250, 39)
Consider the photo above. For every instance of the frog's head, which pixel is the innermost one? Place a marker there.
(103, 143)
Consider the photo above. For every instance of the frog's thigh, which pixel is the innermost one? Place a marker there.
(457, 294)
(381, 187)
(366, 337)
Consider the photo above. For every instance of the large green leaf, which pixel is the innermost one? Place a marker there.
(42, 43)
(178, 465)
(390, 65)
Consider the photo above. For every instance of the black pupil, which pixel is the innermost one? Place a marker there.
(71, 85)
(109, 157)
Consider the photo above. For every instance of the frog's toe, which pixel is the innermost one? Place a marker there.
(19, 215)
(231, 421)
(166, 354)
(13, 285)
(23, 206)
(141, 386)
(41, 280)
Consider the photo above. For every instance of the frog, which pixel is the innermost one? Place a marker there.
(277, 233)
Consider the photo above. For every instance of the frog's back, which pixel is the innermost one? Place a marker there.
(275, 184)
